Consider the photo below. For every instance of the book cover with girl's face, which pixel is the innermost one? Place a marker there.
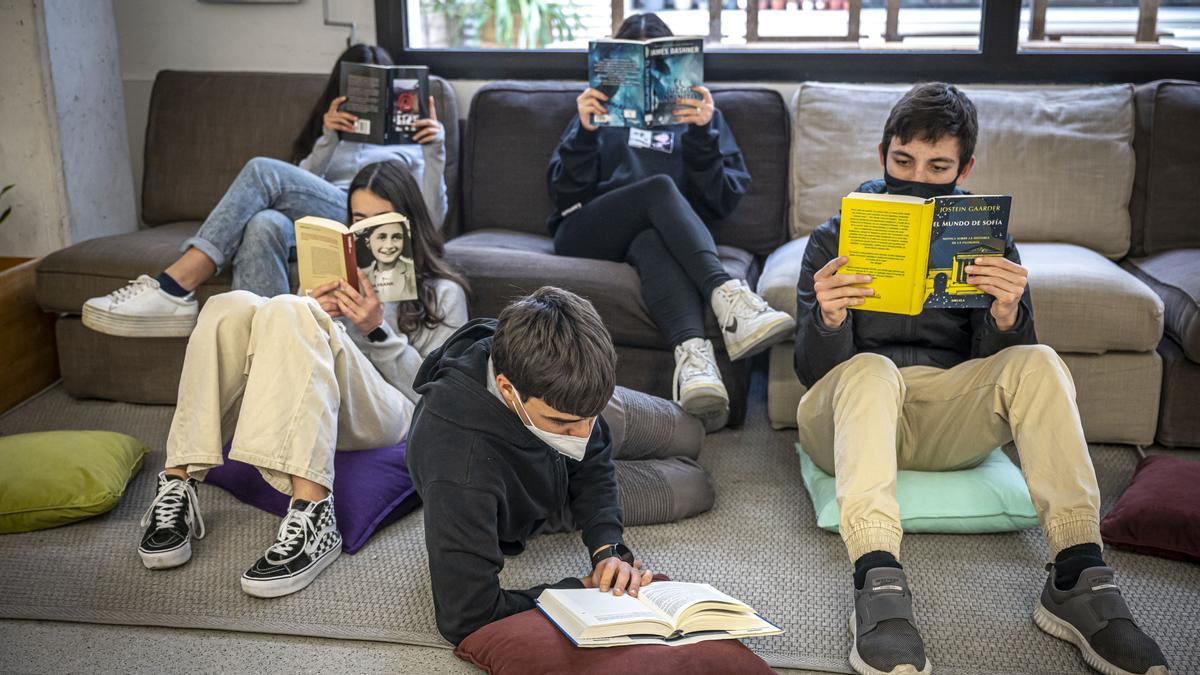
(385, 258)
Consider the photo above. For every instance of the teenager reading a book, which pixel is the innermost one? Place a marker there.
(251, 227)
(648, 206)
(292, 379)
(508, 440)
(939, 391)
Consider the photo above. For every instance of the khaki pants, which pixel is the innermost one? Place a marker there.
(288, 378)
(867, 418)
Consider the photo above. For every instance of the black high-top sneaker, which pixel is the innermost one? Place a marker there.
(308, 541)
(171, 522)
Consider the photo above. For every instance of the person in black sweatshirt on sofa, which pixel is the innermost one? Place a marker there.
(645, 198)
(507, 438)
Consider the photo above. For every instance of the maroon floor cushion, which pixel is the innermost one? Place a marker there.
(371, 489)
(1159, 513)
(528, 643)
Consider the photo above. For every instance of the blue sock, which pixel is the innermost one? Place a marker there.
(170, 286)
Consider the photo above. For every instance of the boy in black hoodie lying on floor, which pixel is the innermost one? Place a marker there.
(508, 436)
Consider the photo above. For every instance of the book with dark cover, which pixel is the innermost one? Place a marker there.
(388, 101)
(643, 79)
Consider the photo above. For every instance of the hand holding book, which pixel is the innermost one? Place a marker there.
(692, 111)
(428, 129)
(618, 575)
(590, 102)
(837, 292)
(1005, 281)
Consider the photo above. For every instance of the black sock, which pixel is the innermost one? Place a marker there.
(870, 561)
(1070, 562)
(170, 286)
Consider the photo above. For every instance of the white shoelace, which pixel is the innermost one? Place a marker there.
(167, 503)
(135, 287)
(742, 303)
(295, 525)
(695, 358)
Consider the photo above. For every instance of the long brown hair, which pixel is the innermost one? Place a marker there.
(393, 182)
(359, 53)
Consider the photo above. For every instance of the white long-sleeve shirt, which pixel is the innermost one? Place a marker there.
(338, 161)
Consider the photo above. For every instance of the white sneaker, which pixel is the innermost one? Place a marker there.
(698, 386)
(747, 322)
(142, 309)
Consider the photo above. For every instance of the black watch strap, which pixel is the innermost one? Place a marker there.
(613, 551)
(377, 335)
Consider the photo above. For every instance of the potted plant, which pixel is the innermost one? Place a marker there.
(530, 24)
(26, 332)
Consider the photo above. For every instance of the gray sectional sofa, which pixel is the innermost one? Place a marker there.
(1068, 154)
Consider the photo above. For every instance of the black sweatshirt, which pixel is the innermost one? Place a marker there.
(942, 338)
(705, 163)
(488, 484)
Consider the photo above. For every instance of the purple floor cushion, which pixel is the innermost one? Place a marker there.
(371, 489)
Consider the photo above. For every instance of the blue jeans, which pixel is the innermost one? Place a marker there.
(252, 225)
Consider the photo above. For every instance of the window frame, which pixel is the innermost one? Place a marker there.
(998, 59)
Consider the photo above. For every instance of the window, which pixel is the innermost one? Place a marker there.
(977, 41)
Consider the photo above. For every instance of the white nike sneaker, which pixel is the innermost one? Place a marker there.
(142, 309)
(747, 322)
(698, 388)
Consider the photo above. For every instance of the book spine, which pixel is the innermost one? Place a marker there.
(921, 263)
(351, 261)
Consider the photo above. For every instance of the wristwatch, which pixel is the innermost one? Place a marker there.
(613, 551)
(378, 334)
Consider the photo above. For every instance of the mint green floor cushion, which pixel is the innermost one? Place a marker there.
(991, 497)
(57, 477)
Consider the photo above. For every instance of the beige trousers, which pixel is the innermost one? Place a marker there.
(867, 418)
(289, 380)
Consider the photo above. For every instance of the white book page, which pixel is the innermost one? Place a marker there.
(594, 608)
(674, 597)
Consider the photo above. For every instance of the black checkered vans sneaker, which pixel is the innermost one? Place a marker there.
(308, 541)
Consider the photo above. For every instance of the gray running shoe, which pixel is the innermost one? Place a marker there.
(1094, 617)
(886, 641)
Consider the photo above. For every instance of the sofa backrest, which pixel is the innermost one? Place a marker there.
(513, 128)
(204, 126)
(1065, 154)
(1166, 200)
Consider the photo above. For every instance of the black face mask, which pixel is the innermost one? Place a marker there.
(912, 188)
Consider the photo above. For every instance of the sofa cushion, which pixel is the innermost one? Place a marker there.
(1165, 201)
(1082, 302)
(504, 265)
(1175, 277)
(1064, 154)
(515, 126)
(1178, 423)
(198, 138)
(69, 277)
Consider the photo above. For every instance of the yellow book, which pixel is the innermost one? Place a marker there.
(916, 250)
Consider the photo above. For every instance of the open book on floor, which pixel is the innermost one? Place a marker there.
(378, 248)
(664, 613)
(916, 250)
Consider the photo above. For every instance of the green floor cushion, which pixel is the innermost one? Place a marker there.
(991, 497)
(57, 477)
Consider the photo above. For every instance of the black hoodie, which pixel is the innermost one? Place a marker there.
(488, 484)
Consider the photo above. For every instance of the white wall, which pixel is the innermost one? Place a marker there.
(28, 137)
(62, 140)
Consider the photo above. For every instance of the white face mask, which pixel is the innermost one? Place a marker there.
(569, 446)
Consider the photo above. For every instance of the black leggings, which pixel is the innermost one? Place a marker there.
(650, 225)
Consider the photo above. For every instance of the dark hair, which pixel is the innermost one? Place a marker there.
(363, 257)
(551, 344)
(359, 53)
(931, 111)
(392, 181)
(645, 26)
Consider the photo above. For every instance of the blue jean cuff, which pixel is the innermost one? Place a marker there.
(207, 248)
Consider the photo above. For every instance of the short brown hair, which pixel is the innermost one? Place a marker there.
(931, 111)
(552, 345)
